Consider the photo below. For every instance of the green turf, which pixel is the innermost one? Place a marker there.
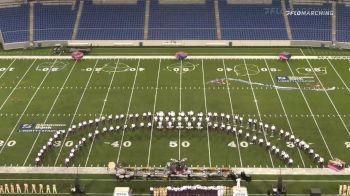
(27, 104)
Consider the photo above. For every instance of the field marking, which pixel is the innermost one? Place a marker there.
(75, 112)
(284, 110)
(127, 112)
(28, 104)
(2, 105)
(347, 88)
(52, 106)
(206, 111)
(312, 114)
(180, 107)
(232, 113)
(154, 110)
(253, 57)
(329, 98)
(303, 116)
(103, 170)
(257, 107)
(7, 68)
(344, 83)
(302, 52)
(102, 109)
(150, 88)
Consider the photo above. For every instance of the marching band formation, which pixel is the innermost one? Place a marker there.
(250, 130)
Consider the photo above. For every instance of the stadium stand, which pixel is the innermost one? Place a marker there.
(343, 22)
(112, 21)
(311, 27)
(182, 22)
(177, 20)
(252, 21)
(54, 21)
(18, 15)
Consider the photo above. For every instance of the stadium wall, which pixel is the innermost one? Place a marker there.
(343, 45)
(16, 45)
(173, 43)
(1, 38)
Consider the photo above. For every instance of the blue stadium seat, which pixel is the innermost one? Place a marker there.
(54, 22)
(311, 27)
(252, 22)
(112, 22)
(14, 23)
(343, 23)
(182, 22)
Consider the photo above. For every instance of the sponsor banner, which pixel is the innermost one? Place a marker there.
(43, 128)
(301, 79)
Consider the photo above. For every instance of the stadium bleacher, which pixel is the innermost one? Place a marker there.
(18, 15)
(173, 21)
(182, 22)
(252, 21)
(54, 22)
(311, 27)
(112, 21)
(343, 23)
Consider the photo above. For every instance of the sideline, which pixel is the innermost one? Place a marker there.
(103, 170)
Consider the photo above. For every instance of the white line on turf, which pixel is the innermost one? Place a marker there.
(48, 114)
(7, 68)
(18, 83)
(301, 50)
(329, 98)
(127, 112)
(257, 107)
(102, 109)
(302, 116)
(347, 88)
(154, 110)
(206, 111)
(27, 106)
(180, 107)
(232, 113)
(75, 112)
(312, 114)
(284, 110)
(206, 57)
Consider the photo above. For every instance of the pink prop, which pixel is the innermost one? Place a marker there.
(77, 55)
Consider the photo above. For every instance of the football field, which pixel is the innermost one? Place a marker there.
(308, 97)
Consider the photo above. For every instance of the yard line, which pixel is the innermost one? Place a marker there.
(25, 109)
(127, 112)
(7, 68)
(76, 110)
(17, 85)
(257, 107)
(206, 111)
(102, 109)
(301, 50)
(312, 114)
(347, 88)
(229, 95)
(180, 108)
(52, 106)
(329, 98)
(284, 110)
(154, 110)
